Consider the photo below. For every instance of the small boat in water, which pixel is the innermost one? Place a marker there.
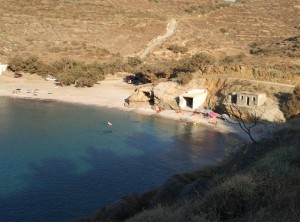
(109, 123)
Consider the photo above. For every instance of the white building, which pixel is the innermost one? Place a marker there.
(3, 68)
(192, 99)
(249, 99)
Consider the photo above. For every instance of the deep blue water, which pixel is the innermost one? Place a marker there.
(60, 162)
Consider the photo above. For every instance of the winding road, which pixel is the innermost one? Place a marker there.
(170, 30)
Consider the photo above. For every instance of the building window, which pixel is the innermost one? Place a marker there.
(253, 99)
(242, 97)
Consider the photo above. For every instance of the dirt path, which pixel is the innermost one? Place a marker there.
(266, 82)
(170, 30)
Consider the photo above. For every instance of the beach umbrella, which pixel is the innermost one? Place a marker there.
(213, 114)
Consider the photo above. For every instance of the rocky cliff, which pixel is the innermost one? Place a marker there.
(165, 95)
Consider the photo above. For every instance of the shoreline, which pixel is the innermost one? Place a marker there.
(110, 93)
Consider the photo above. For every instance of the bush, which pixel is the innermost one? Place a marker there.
(198, 62)
(223, 30)
(134, 61)
(16, 64)
(31, 64)
(197, 9)
(178, 49)
(292, 106)
(153, 72)
(161, 214)
(70, 71)
(184, 78)
(67, 78)
(232, 59)
(113, 67)
(279, 163)
(268, 73)
(230, 199)
(85, 81)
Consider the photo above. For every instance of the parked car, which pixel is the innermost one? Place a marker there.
(50, 78)
(131, 79)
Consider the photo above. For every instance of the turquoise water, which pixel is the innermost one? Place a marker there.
(62, 161)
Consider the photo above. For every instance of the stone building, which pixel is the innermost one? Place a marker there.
(248, 99)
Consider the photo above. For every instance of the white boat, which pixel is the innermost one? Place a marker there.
(109, 123)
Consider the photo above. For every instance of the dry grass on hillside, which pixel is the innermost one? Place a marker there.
(101, 29)
(230, 30)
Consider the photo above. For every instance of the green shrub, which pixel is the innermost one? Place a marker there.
(184, 78)
(198, 218)
(197, 62)
(30, 64)
(230, 199)
(222, 5)
(153, 72)
(67, 78)
(134, 61)
(85, 81)
(268, 73)
(231, 59)
(161, 214)
(113, 67)
(223, 30)
(178, 49)
(16, 64)
(33, 65)
(197, 9)
(279, 163)
(292, 106)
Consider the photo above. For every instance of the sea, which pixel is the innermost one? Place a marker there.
(62, 162)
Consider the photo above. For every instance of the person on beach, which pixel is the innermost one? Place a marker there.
(213, 123)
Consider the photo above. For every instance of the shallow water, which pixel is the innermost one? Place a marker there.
(62, 161)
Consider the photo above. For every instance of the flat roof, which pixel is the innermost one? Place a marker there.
(251, 93)
(193, 94)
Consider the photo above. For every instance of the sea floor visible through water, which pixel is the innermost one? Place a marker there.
(61, 162)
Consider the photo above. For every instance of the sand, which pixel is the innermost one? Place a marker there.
(111, 93)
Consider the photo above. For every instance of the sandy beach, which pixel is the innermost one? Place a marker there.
(110, 93)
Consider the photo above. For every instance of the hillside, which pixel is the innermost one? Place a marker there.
(101, 30)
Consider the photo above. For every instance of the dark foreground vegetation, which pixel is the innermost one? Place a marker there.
(259, 182)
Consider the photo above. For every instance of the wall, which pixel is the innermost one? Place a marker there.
(3, 68)
(251, 100)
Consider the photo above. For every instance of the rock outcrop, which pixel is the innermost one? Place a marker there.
(165, 95)
(141, 96)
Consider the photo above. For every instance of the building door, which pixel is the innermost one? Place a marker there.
(189, 102)
(248, 100)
